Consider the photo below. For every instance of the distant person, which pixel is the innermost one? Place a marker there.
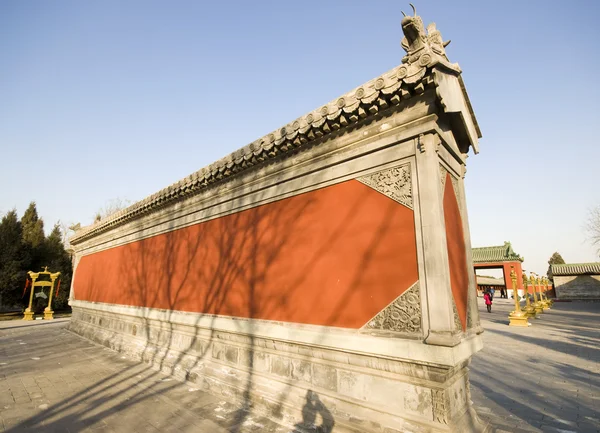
(488, 301)
(492, 291)
(503, 293)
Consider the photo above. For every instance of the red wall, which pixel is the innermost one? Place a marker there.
(335, 256)
(457, 255)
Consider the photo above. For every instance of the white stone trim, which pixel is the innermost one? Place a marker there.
(472, 309)
(435, 291)
(311, 335)
(419, 239)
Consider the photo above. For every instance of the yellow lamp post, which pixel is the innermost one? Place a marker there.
(546, 283)
(529, 309)
(543, 299)
(48, 313)
(516, 317)
(539, 309)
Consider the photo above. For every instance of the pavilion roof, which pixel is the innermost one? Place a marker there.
(499, 253)
(576, 269)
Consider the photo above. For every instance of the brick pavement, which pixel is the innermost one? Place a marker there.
(545, 378)
(54, 381)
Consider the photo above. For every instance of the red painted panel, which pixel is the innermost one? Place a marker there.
(457, 252)
(335, 256)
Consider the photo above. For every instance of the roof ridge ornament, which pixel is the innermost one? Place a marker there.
(424, 48)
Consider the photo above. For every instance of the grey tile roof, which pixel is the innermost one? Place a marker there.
(576, 269)
(365, 102)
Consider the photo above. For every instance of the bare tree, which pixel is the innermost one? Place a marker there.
(111, 206)
(67, 230)
(593, 227)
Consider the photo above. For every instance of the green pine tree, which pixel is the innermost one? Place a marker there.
(13, 261)
(555, 259)
(33, 227)
(33, 238)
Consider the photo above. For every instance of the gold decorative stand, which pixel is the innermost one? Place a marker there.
(516, 317)
(546, 282)
(537, 304)
(48, 313)
(529, 309)
(543, 301)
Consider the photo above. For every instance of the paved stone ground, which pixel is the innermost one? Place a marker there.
(54, 381)
(545, 378)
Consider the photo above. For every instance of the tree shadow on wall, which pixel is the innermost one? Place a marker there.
(223, 268)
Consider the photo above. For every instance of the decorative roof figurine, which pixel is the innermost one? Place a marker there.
(423, 48)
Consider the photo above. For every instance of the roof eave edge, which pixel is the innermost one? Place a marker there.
(455, 101)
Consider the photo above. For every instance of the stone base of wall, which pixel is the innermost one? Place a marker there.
(297, 384)
(580, 287)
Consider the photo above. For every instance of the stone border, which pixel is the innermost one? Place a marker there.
(311, 335)
(358, 389)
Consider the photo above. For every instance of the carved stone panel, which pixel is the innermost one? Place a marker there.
(457, 322)
(455, 186)
(402, 315)
(440, 406)
(470, 313)
(443, 173)
(394, 183)
(456, 192)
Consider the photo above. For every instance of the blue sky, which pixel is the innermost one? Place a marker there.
(100, 100)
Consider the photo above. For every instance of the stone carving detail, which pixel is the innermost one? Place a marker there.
(469, 314)
(456, 191)
(440, 408)
(443, 173)
(468, 387)
(394, 183)
(457, 322)
(423, 48)
(455, 186)
(402, 315)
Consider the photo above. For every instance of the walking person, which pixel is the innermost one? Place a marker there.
(488, 301)
(492, 291)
